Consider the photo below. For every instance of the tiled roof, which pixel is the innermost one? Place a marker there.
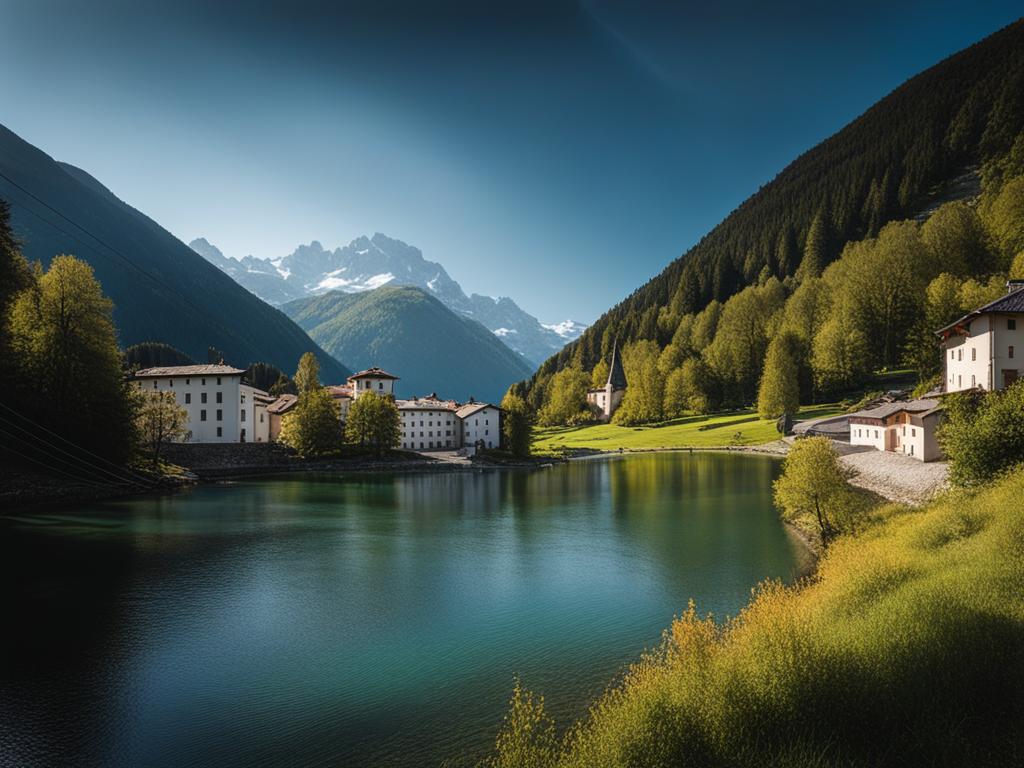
(282, 404)
(888, 409)
(339, 390)
(470, 408)
(427, 404)
(373, 373)
(1013, 301)
(191, 370)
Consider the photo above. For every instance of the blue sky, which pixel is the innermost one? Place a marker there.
(558, 153)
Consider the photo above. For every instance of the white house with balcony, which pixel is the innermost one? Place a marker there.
(221, 407)
(983, 348)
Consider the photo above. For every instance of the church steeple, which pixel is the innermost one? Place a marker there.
(616, 375)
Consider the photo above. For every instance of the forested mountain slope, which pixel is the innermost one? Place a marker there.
(888, 164)
(162, 290)
(413, 335)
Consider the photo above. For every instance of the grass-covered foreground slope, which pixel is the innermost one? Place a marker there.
(736, 428)
(906, 649)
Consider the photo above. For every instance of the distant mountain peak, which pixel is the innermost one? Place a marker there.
(368, 263)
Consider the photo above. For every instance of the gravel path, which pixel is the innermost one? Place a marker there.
(897, 477)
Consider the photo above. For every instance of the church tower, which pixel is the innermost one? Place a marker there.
(607, 399)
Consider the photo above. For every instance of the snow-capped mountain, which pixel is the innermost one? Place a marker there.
(371, 262)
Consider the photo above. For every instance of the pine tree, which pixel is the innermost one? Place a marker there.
(815, 248)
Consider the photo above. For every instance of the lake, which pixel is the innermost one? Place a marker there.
(364, 620)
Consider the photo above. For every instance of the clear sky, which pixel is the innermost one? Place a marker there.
(558, 153)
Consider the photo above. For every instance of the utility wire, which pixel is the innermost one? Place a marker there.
(122, 470)
(90, 466)
(50, 467)
(156, 280)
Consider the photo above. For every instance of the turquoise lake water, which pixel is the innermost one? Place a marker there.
(374, 620)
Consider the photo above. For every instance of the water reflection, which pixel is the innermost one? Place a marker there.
(368, 620)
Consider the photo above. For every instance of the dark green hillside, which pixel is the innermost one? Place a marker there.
(410, 333)
(886, 165)
(160, 287)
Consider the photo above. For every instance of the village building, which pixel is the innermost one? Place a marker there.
(480, 424)
(277, 410)
(429, 424)
(900, 427)
(221, 407)
(372, 380)
(983, 348)
(606, 399)
(342, 394)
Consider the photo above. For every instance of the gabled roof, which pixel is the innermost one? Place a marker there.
(1011, 302)
(427, 404)
(890, 409)
(190, 370)
(470, 408)
(373, 373)
(339, 390)
(616, 375)
(282, 404)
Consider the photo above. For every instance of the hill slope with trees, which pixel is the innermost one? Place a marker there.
(958, 120)
(161, 289)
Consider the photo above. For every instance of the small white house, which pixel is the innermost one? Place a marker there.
(221, 407)
(984, 348)
(901, 427)
(481, 425)
(429, 424)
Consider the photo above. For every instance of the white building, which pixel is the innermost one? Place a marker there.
(983, 348)
(900, 427)
(221, 407)
(480, 425)
(372, 380)
(606, 400)
(429, 424)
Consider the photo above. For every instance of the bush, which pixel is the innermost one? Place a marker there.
(983, 434)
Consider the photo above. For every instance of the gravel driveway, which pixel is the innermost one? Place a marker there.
(895, 476)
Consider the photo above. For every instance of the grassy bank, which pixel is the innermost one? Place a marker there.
(736, 428)
(907, 649)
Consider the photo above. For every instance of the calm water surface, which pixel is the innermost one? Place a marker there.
(376, 620)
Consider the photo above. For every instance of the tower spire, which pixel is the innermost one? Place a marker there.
(616, 374)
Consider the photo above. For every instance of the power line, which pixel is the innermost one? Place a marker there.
(156, 280)
(122, 472)
(50, 467)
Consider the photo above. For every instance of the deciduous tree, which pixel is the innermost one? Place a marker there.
(373, 420)
(779, 391)
(160, 420)
(516, 427)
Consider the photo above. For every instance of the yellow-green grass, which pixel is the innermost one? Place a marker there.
(736, 428)
(905, 649)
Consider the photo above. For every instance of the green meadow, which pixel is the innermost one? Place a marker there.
(734, 428)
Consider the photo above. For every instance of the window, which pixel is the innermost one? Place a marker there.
(220, 432)
(220, 397)
(952, 354)
(154, 383)
(218, 380)
(187, 382)
(1011, 350)
(243, 414)
(959, 355)
(170, 383)
(972, 380)
(202, 415)
(243, 398)
(202, 397)
(380, 385)
(202, 382)
(974, 353)
(188, 398)
(220, 415)
(1011, 324)
(876, 433)
(959, 381)
(913, 432)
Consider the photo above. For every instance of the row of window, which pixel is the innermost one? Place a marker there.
(170, 382)
(427, 444)
(220, 416)
(958, 354)
(202, 397)
(430, 423)
(430, 433)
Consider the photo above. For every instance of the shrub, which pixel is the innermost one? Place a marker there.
(983, 434)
